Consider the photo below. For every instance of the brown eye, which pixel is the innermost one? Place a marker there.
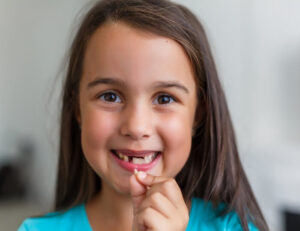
(164, 99)
(110, 97)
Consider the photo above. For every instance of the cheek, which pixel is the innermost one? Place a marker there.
(176, 133)
(96, 128)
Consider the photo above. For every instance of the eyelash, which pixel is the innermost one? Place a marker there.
(171, 98)
(101, 97)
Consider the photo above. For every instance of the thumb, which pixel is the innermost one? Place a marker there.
(137, 190)
(148, 180)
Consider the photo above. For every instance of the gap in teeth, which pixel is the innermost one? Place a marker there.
(138, 159)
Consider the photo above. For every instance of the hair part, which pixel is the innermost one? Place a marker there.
(213, 171)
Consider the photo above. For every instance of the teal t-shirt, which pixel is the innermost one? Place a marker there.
(202, 217)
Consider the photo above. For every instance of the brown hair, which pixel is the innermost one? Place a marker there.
(213, 171)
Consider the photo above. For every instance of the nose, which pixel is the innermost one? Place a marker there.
(136, 122)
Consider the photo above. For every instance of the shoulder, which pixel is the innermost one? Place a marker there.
(72, 219)
(204, 216)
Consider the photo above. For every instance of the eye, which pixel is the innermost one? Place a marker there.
(164, 99)
(110, 97)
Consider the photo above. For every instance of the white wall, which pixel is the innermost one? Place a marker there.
(276, 107)
(257, 49)
(34, 37)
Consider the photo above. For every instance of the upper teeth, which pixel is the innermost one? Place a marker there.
(123, 157)
(138, 160)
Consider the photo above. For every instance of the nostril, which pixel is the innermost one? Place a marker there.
(136, 133)
(136, 123)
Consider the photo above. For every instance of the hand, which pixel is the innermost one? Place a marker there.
(158, 204)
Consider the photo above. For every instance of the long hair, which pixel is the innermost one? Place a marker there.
(213, 171)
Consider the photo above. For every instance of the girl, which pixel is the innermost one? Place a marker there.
(142, 95)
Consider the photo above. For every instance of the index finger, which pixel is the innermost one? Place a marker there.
(166, 186)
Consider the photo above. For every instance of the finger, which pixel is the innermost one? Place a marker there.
(158, 202)
(172, 193)
(150, 219)
(170, 189)
(148, 179)
(137, 190)
(167, 186)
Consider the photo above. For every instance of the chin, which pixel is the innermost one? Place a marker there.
(122, 187)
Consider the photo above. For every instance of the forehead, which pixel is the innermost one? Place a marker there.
(121, 50)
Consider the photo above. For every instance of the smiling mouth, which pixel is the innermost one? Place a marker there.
(136, 159)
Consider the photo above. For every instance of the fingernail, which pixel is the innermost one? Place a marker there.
(141, 175)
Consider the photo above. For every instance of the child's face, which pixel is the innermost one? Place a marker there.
(137, 98)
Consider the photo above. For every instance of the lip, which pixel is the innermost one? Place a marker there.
(140, 167)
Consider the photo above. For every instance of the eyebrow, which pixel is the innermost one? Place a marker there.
(106, 80)
(120, 83)
(170, 84)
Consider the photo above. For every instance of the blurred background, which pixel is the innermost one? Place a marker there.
(256, 44)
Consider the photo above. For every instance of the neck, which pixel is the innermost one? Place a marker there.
(110, 208)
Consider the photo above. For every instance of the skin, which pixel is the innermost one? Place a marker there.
(131, 109)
